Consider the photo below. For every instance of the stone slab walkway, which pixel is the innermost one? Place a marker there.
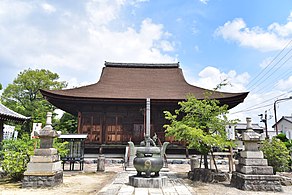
(120, 186)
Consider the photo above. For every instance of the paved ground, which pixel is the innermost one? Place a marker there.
(120, 186)
(178, 184)
(114, 181)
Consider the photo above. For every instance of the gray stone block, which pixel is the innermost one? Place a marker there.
(45, 152)
(44, 159)
(252, 154)
(141, 182)
(256, 182)
(253, 161)
(254, 170)
(43, 168)
(40, 181)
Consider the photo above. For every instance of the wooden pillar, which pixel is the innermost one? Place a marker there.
(79, 128)
(1, 130)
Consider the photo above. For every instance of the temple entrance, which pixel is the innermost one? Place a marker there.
(92, 126)
(113, 130)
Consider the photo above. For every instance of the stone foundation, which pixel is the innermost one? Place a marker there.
(256, 182)
(39, 181)
(141, 182)
(207, 175)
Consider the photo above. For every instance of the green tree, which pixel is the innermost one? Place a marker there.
(201, 123)
(277, 154)
(0, 86)
(24, 97)
(285, 140)
(67, 124)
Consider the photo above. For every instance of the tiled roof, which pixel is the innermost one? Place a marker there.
(7, 114)
(125, 82)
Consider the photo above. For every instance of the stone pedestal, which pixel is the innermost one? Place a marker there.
(252, 171)
(44, 168)
(141, 182)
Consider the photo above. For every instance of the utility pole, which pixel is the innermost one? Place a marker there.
(276, 125)
(265, 121)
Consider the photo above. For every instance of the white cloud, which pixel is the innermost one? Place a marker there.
(78, 44)
(274, 38)
(210, 77)
(48, 8)
(285, 84)
(102, 12)
(204, 1)
(281, 30)
(14, 10)
(266, 62)
(290, 17)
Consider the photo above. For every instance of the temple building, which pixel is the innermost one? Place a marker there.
(112, 111)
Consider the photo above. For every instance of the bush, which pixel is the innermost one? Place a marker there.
(277, 154)
(15, 155)
(62, 147)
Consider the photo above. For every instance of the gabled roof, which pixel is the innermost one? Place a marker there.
(284, 118)
(9, 115)
(138, 81)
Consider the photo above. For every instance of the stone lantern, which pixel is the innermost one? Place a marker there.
(252, 171)
(44, 168)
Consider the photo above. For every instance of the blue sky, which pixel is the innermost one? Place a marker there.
(212, 39)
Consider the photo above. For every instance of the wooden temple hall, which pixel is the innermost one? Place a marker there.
(112, 111)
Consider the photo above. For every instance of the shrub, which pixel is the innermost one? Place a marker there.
(62, 147)
(15, 156)
(277, 154)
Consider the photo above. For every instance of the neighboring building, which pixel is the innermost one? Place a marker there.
(285, 126)
(9, 115)
(241, 127)
(111, 111)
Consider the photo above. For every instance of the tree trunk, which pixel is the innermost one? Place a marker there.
(206, 161)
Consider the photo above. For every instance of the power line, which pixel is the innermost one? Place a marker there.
(268, 64)
(279, 76)
(255, 108)
(263, 76)
(284, 76)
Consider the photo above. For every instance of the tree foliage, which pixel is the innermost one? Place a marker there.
(24, 97)
(285, 140)
(277, 154)
(15, 155)
(67, 124)
(201, 123)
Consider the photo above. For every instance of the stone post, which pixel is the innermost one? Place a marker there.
(44, 168)
(252, 171)
(101, 163)
(194, 162)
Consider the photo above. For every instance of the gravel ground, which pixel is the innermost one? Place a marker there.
(90, 182)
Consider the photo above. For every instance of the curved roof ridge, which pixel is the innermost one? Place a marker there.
(141, 65)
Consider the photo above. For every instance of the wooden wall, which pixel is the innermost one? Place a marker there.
(118, 124)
